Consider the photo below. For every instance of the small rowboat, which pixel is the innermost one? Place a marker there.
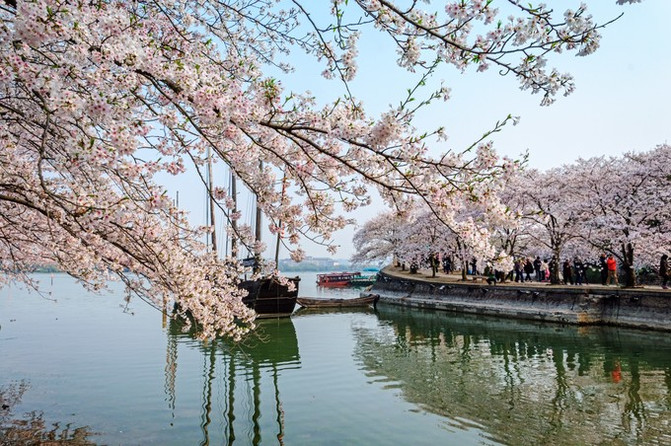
(363, 301)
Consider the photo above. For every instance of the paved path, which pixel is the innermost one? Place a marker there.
(425, 275)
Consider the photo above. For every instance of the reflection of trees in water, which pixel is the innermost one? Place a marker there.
(526, 383)
(233, 405)
(31, 428)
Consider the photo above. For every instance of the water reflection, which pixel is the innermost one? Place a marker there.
(241, 397)
(526, 383)
(31, 428)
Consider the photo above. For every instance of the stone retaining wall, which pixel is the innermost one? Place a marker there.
(639, 308)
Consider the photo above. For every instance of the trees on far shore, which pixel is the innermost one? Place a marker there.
(624, 205)
(614, 205)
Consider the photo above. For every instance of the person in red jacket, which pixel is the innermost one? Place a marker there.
(612, 269)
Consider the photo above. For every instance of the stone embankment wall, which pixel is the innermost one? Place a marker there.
(583, 305)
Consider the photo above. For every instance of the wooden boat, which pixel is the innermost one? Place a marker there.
(345, 279)
(335, 279)
(361, 280)
(363, 301)
(269, 298)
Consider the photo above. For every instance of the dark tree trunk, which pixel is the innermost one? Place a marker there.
(464, 262)
(628, 265)
(554, 268)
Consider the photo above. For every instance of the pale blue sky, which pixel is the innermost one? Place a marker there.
(620, 103)
(621, 100)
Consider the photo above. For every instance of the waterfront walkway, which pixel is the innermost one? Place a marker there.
(647, 307)
(424, 275)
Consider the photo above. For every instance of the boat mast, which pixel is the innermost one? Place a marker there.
(210, 202)
(277, 246)
(279, 223)
(257, 231)
(234, 223)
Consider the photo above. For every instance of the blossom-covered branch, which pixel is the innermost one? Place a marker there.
(98, 98)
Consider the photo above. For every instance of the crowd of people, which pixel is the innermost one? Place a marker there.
(569, 272)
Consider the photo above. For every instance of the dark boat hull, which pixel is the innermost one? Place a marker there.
(269, 298)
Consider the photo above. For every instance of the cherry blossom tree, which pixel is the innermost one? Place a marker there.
(99, 98)
(551, 207)
(424, 237)
(618, 205)
(513, 237)
(627, 206)
(380, 238)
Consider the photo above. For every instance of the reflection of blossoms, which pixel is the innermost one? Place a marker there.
(32, 428)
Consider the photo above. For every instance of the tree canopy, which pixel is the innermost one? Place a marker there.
(99, 97)
(601, 205)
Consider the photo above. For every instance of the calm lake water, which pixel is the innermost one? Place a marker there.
(83, 367)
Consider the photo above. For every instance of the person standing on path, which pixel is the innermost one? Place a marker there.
(537, 267)
(604, 269)
(664, 272)
(528, 270)
(519, 270)
(566, 271)
(611, 264)
(545, 271)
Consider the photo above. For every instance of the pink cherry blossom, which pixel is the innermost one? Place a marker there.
(100, 99)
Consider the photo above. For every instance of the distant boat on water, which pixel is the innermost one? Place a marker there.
(363, 280)
(345, 279)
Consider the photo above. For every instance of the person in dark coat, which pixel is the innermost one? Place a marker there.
(566, 271)
(447, 264)
(664, 272)
(537, 267)
(528, 270)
